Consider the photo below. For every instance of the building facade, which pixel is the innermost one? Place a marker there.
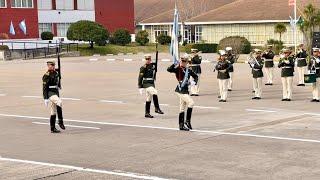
(56, 16)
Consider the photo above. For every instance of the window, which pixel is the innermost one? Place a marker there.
(85, 4)
(3, 3)
(45, 27)
(62, 29)
(65, 4)
(198, 34)
(45, 4)
(22, 3)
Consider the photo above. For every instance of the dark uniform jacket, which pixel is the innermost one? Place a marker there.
(196, 64)
(287, 66)
(232, 59)
(314, 65)
(223, 68)
(257, 68)
(50, 84)
(180, 74)
(146, 76)
(268, 63)
(302, 58)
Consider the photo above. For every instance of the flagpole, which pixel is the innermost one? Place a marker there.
(295, 26)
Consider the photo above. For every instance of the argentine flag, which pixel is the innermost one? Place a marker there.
(23, 27)
(174, 47)
(12, 31)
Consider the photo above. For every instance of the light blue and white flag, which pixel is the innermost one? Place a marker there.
(174, 47)
(12, 31)
(23, 27)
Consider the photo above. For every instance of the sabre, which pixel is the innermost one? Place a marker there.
(59, 65)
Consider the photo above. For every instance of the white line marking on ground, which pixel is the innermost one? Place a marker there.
(164, 104)
(123, 174)
(165, 60)
(206, 107)
(108, 101)
(111, 59)
(2, 94)
(38, 97)
(83, 127)
(173, 129)
(93, 59)
(71, 99)
(126, 60)
(260, 110)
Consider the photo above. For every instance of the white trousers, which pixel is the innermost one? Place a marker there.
(54, 102)
(257, 87)
(185, 102)
(301, 71)
(230, 83)
(150, 91)
(315, 89)
(195, 89)
(269, 73)
(223, 87)
(287, 87)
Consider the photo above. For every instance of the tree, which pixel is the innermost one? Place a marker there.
(121, 37)
(46, 35)
(164, 39)
(88, 31)
(309, 23)
(280, 28)
(142, 37)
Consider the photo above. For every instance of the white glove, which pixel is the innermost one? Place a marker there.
(318, 60)
(282, 56)
(141, 91)
(193, 83)
(287, 62)
(46, 102)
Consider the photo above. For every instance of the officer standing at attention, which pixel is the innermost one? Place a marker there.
(146, 81)
(231, 58)
(257, 74)
(51, 96)
(183, 74)
(286, 64)
(314, 67)
(223, 67)
(301, 58)
(195, 64)
(268, 56)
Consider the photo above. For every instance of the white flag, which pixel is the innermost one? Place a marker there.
(12, 31)
(23, 27)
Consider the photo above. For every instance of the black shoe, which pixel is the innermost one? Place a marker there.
(188, 125)
(267, 84)
(258, 98)
(148, 116)
(223, 101)
(60, 123)
(315, 100)
(54, 130)
(284, 100)
(196, 95)
(229, 89)
(158, 111)
(288, 99)
(254, 98)
(220, 100)
(192, 95)
(303, 85)
(188, 120)
(253, 91)
(183, 128)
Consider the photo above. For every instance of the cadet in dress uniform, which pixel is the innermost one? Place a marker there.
(231, 58)
(286, 64)
(269, 64)
(301, 59)
(314, 67)
(223, 67)
(183, 74)
(146, 82)
(51, 96)
(257, 73)
(195, 63)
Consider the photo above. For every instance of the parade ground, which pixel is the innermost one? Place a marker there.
(107, 136)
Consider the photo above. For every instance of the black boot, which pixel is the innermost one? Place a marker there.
(53, 124)
(156, 104)
(181, 122)
(147, 114)
(188, 121)
(60, 117)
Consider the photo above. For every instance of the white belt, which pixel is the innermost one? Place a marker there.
(148, 79)
(53, 87)
(194, 65)
(269, 60)
(287, 67)
(299, 59)
(256, 69)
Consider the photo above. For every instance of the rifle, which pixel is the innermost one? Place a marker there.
(59, 65)
(156, 64)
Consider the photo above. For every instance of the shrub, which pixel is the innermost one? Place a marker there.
(142, 37)
(121, 37)
(46, 36)
(4, 48)
(88, 31)
(164, 39)
(4, 36)
(205, 48)
(240, 45)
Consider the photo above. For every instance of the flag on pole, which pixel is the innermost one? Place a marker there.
(23, 27)
(12, 31)
(292, 2)
(174, 47)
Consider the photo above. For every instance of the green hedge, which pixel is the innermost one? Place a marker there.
(4, 48)
(46, 35)
(204, 48)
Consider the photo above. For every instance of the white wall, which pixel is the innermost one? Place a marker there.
(56, 16)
